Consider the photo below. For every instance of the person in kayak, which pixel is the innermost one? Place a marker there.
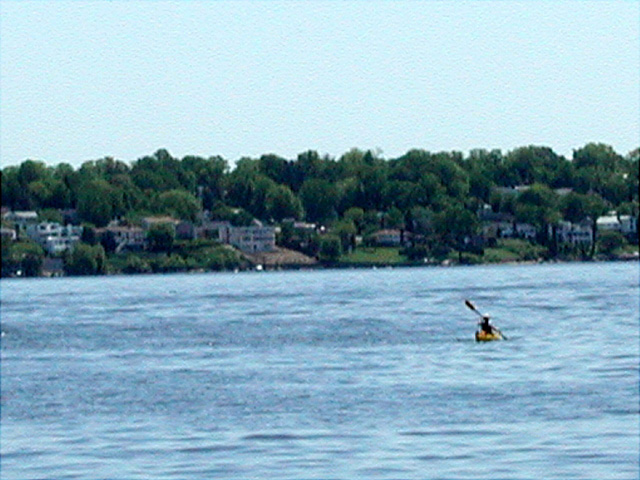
(486, 326)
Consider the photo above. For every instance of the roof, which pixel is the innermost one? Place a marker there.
(160, 219)
(22, 214)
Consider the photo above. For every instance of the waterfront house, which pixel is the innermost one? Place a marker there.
(254, 238)
(574, 233)
(214, 230)
(53, 237)
(388, 238)
(625, 224)
(126, 237)
(504, 225)
(53, 267)
(21, 220)
(249, 239)
(525, 230)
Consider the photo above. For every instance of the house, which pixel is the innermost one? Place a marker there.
(186, 231)
(214, 230)
(504, 225)
(306, 226)
(250, 239)
(53, 267)
(21, 219)
(149, 222)
(574, 233)
(609, 222)
(625, 224)
(53, 237)
(525, 230)
(254, 238)
(127, 237)
(388, 237)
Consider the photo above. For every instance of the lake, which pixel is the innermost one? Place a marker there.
(323, 374)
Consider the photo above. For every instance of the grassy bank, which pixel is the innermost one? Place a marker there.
(375, 256)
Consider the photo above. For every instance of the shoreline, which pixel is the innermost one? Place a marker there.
(259, 268)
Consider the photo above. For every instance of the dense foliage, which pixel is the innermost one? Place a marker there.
(436, 195)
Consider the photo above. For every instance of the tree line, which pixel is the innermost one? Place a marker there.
(435, 195)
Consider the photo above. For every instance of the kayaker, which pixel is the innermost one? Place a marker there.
(486, 327)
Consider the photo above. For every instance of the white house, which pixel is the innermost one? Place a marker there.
(525, 230)
(625, 224)
(21, 219)
(575, 233)
(53, 237)
(253, 238)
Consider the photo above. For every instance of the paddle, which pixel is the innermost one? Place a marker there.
(473, 308)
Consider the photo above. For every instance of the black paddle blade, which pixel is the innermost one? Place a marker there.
(470, 305)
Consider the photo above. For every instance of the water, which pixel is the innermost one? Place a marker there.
(329, 374)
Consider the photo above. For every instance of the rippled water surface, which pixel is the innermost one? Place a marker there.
(327, 374)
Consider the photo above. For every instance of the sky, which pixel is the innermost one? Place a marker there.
(84, 80)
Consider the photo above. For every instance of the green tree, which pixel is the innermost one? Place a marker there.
(160, 237)
(355, 215)
(282, 203)
(50, 215)
(95, 203)
(455, 226)
(276, 168)
(13, 195)
(210, 175)
(107, 240)
(330, 249)
(162, 172)
(535, 164)
(178, 203)
(135, 264)
(85, 259)
(421, 221)
(319, 199)
(346, 231)
(599, 169)
(394, 218)
(24, 257)
(89, 235)
(238, 217)
(609, 241)
(539, 206)
(32, 171)
(595, 207)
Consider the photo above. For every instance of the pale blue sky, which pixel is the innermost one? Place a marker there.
(83, 80)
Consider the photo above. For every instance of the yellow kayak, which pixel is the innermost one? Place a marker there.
(483, 336)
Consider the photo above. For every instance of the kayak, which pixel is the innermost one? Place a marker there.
(483, 336)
